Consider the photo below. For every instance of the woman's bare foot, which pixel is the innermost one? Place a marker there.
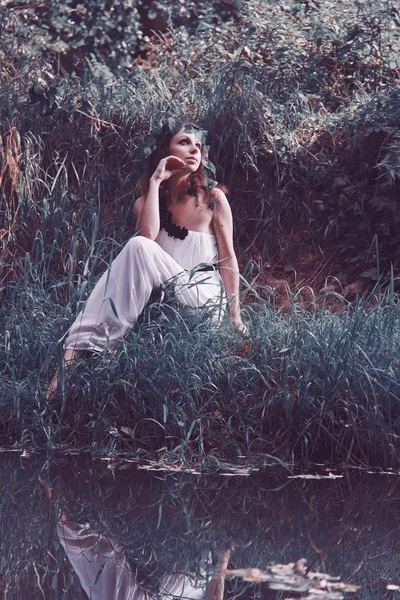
(69, 355)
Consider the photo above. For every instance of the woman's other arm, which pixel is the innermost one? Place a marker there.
(229, 268)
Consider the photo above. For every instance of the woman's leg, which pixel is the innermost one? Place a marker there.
(117, 299)
(123, 291)
(202, 289)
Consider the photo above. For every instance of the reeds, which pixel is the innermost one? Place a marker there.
(289, 163)
(308, 385)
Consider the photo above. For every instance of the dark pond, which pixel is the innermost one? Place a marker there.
(73, 529)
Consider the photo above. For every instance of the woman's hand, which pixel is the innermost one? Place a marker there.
(168, 166)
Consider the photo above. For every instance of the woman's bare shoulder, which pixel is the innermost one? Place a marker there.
(220, 199)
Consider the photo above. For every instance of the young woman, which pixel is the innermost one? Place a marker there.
(183, 245)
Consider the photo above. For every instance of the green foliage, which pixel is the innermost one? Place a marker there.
(302, 104)
(309, 386)
(107, 31)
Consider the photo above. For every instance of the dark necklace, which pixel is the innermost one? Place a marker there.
(175, 231)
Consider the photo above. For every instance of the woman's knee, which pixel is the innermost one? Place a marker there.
(138, 243)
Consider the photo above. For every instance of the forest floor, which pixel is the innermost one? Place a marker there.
(304, 270)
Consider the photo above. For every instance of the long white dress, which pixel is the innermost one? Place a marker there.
(142, 267)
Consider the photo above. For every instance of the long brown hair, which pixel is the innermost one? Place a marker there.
(197, 180)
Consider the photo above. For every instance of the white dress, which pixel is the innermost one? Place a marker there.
(142, 267)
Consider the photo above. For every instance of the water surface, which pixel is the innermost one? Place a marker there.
(116, 530)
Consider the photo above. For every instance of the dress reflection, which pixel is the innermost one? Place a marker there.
(105, 573)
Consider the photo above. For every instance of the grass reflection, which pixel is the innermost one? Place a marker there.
(179, 523)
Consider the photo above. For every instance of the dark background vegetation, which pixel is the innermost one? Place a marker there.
(301, 98)
(302, 103)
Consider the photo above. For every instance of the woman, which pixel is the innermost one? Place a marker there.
(184, 245)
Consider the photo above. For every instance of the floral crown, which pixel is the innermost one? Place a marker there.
(172, 126)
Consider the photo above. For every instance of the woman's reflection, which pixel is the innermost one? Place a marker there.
(105, 573)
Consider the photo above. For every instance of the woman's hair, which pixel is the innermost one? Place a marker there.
(197, 180)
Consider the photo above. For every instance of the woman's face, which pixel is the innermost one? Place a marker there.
(187, 146)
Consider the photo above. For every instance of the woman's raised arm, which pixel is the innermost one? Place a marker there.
(147, 208)
(147, 212)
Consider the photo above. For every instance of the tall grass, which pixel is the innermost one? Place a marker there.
(308, 385)
(289, 164)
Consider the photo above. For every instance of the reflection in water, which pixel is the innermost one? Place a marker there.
(74, 530)
(104, 571)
